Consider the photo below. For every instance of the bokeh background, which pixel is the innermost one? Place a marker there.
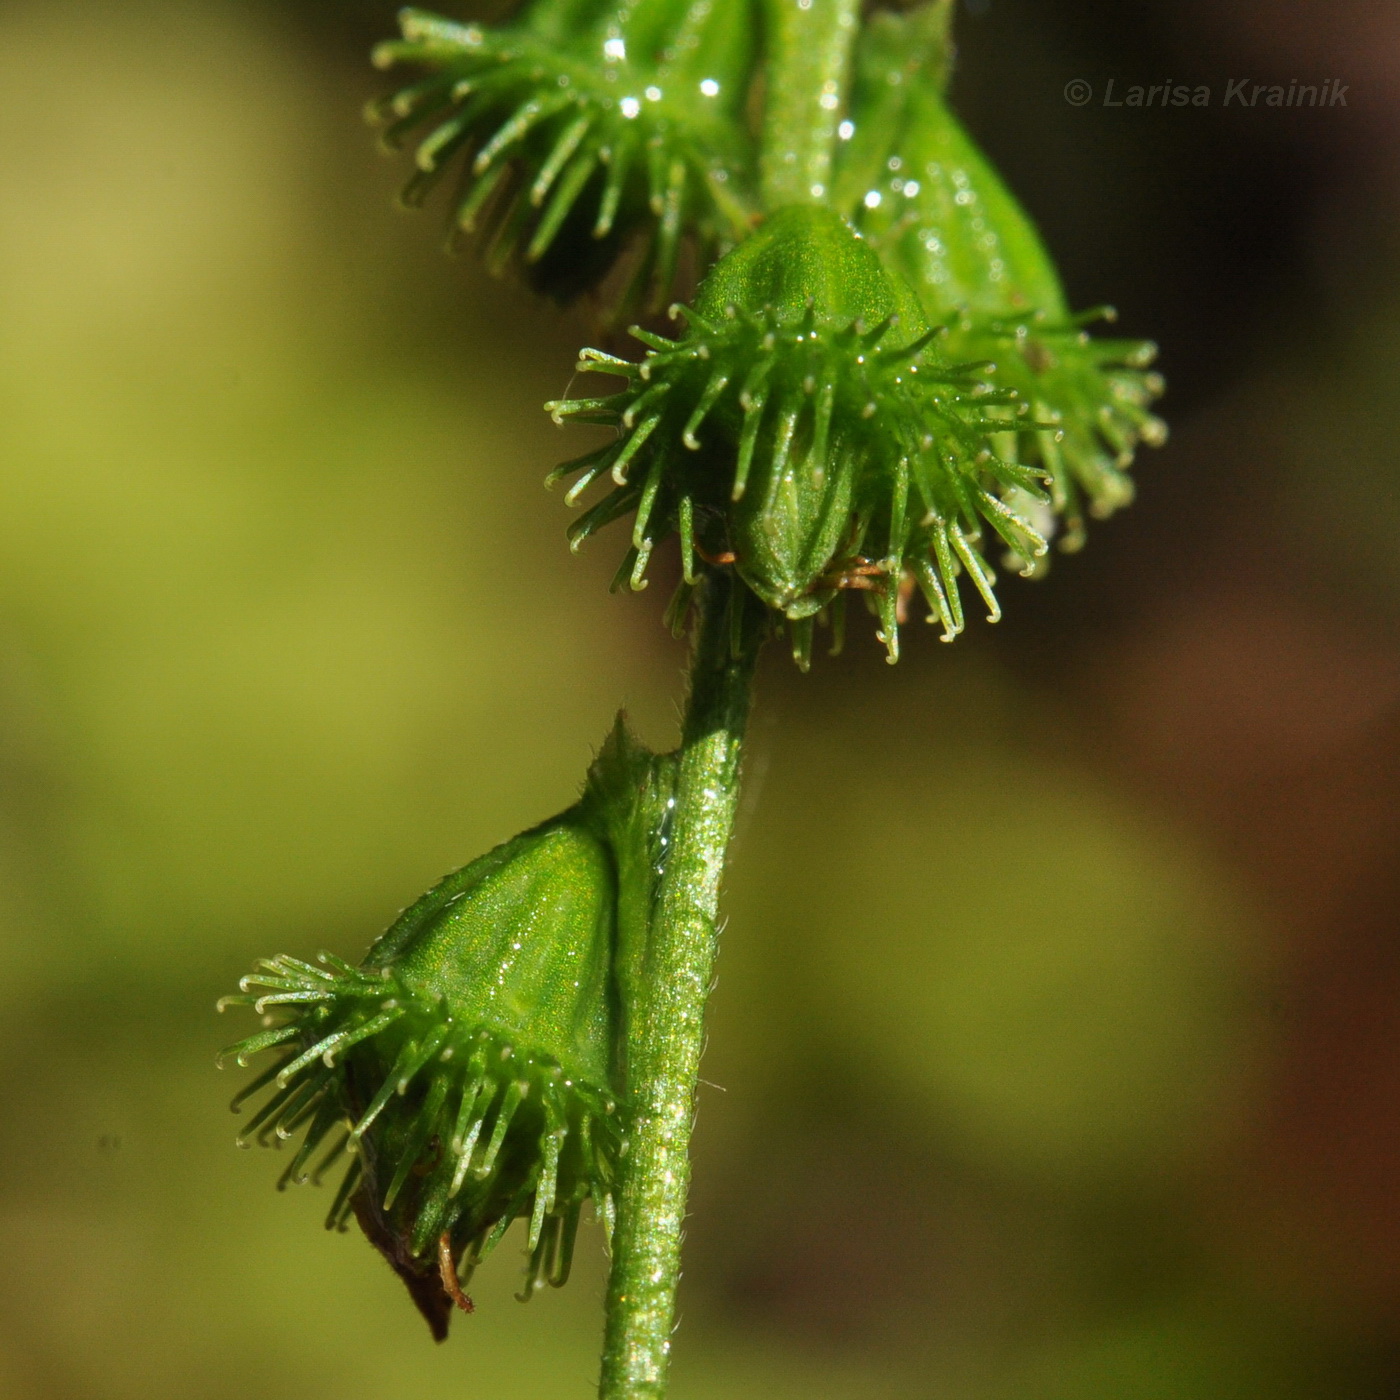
(1056, 1051)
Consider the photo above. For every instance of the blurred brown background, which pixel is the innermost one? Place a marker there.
(1059, 1015)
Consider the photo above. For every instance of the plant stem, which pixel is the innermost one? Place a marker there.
(808, 75)
(666, 1026)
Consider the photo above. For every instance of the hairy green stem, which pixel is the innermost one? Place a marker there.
(807, 86)
(666, 1026)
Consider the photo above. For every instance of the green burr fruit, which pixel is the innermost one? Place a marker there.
(808, 431)
(468, 1067)
(580, 130)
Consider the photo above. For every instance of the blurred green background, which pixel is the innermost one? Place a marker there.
(1056, 1050)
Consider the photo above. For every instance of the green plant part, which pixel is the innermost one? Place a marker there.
(915, 184)
(468, 1067)
(807, 72)
(878, 379)
(580, 130)
(807, 430)
(919, 189)
(1090, 400)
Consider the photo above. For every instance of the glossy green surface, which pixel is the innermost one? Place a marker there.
(806, 86)
(521, 942)
(807, 256)
(916, 184)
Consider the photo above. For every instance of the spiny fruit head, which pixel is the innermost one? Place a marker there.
(807, 431)
(467, 1066)
(581, 130)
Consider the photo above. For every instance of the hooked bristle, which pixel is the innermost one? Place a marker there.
(541, 146)
(842, 426)
(440, 1102)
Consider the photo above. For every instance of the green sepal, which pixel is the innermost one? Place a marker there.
(520, 942)
(1092, 396)
(895, 56)
(914, 182)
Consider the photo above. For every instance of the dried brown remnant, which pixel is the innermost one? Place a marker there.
(425, 1286)
(447, 1268)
